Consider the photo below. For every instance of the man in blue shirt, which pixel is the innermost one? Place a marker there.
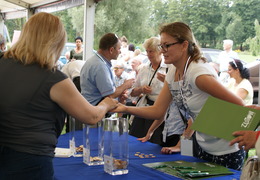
(96, 77)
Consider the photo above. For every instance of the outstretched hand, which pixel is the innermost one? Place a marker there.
(120, 108)
(146, 138)
(171, 150)
(111, 103)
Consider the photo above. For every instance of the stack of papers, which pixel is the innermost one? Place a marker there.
(62, 152)
(189, 170)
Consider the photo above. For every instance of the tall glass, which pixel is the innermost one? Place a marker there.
(76, 147)
(93, 144)
(116, 153)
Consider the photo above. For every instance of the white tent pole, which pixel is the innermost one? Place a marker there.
(89, 19)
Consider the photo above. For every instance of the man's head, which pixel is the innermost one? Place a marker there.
(119, 69)
(227, 45)
(110, 45)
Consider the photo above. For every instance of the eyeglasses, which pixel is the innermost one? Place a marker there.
(165, 47)
(116, 68)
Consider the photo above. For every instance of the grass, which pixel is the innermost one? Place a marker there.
(247, 57)
(63, 130)
(251, 152)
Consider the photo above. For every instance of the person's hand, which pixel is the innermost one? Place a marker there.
(129, 83)
(120, 108)
(246, 139)
(111, 103)
(254, 106)
(123, 97)
(146, 89)
(170, 150)
(146, 138)
(161, 76)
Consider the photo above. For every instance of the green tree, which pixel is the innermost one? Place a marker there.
(128, 18)
(77, 20)
(235, 30)
(202, 15)
(66, 20)
(248, 11)
(14, 24)
(254, 43)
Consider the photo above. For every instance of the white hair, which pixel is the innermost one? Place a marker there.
(228, 41)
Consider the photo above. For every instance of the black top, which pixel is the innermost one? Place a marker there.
(29, 120)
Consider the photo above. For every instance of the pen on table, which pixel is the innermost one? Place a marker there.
(182, 167)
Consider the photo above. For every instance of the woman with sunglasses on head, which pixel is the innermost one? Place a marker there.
(188, 84)
(239, 82)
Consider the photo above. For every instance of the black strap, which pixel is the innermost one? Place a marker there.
(153, 74)
(185, 121)
(150, 81)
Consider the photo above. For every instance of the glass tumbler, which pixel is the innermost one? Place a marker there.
(93, 144)
(116, 153)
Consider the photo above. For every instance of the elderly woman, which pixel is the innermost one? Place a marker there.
(239, 82)
(188, 84)
(149, 83)
(32, 118)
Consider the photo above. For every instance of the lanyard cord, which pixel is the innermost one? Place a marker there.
(183, 77)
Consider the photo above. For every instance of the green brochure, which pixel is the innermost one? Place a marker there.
(220, 118)
(190, 170)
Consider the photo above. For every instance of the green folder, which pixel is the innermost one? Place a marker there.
(182, 169)
(220, 118)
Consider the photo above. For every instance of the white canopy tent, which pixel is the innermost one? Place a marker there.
(12, 9)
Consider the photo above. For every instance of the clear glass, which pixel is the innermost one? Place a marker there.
(116, 153)
(93, 144)
(76, 147)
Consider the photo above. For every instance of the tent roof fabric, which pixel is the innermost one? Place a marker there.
(11, 9)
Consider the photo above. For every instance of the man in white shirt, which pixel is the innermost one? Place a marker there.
(224, 58)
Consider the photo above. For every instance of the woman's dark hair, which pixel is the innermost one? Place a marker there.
(131, 47)
(237, 64)
(78, 38)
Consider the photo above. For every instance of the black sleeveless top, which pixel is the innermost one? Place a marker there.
(29, 120)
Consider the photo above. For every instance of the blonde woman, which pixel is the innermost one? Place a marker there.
(33, 99)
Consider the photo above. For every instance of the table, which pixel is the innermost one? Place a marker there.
(74, 168)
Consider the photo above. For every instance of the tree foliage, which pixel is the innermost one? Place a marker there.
(66, 18)
(212, 21)
(254, 42)
(128, 18)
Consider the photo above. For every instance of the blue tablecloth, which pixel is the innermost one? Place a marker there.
(74, 168)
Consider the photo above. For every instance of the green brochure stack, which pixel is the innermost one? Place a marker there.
(190, 170)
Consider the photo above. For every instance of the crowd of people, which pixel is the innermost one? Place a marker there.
(164, 89)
